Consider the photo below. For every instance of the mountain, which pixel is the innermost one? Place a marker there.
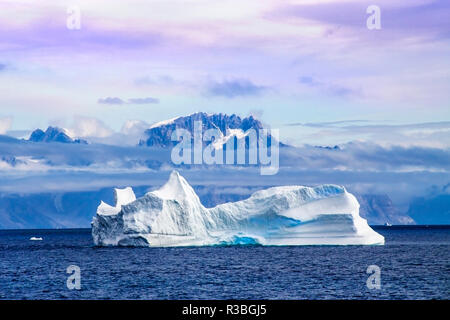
(378, 209)
(50, 210)
(53, 134)
(159, 134)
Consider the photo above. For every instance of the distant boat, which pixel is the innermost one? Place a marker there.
(36, 239)
(387, 224)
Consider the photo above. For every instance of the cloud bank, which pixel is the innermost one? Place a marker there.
(427, 134)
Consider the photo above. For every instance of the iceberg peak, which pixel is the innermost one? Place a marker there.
(121, 197)
(176, 188)
(124, 196)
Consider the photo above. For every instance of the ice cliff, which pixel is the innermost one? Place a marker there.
(290, 215)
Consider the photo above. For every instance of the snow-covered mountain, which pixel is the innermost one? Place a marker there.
(53, 134)
(290, 215)
(230, 126)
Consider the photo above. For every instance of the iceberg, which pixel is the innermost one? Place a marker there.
(288, 215)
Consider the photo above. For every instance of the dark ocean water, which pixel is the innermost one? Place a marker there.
(415, 264)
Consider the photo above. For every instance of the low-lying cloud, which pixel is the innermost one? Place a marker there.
(427, 134)
(402, 172)
(88, 127)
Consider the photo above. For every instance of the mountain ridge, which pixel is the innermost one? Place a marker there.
(160, 134)
(53, 134)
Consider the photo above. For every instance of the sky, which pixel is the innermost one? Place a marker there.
(312, 69)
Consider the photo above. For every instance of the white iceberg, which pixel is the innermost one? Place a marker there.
(288, 215)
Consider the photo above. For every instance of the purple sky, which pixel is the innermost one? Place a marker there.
(290, 62)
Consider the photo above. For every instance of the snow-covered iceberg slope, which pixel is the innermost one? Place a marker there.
(289, 215)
